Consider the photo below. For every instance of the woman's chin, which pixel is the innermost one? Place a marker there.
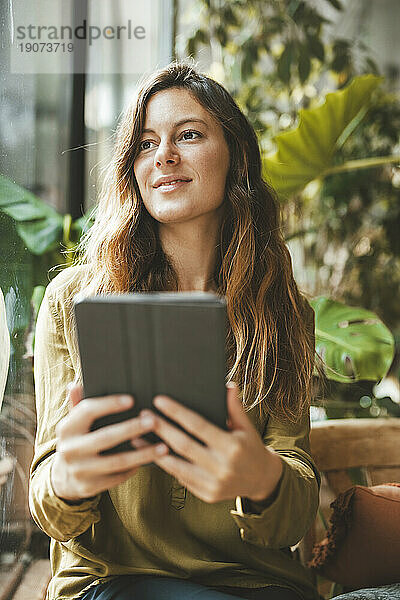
(171, 218)
(183, 213)
(174, 216)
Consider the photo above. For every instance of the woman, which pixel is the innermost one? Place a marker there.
(185, 209)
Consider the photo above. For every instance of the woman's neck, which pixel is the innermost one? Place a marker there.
(192, 250)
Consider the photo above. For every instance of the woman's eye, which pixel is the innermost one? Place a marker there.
(186, 135)
(190, 133)
(142, 147)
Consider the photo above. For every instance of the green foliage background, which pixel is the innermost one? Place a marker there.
(278, 58)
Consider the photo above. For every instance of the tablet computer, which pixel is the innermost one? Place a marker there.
(150, 343)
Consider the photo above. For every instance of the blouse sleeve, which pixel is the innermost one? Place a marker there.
(53, 369)
(293, 507)
(284, 519)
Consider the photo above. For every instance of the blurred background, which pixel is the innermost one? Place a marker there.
(337, 176)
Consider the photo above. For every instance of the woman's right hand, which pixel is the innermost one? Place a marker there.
(78, 470)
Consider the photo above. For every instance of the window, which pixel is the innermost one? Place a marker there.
(56, 133)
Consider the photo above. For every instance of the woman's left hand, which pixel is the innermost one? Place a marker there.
(232, 463)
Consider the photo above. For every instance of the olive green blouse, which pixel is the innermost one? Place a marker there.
(151, 524)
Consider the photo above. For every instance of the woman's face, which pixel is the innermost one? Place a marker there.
(183, 143)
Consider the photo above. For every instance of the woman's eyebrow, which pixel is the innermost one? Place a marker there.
(181, 122)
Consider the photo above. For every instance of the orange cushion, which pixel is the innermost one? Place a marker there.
(362, 547)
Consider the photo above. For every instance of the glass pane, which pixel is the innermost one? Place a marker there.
(38, 115)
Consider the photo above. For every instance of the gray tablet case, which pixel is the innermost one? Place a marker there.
(146, 344)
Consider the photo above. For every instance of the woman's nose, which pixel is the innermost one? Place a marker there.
(166, 155)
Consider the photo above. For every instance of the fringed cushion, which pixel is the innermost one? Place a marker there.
(362, 547)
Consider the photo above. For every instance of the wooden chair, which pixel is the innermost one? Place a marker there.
(349, 452)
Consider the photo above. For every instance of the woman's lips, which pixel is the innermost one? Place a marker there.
(170, 187)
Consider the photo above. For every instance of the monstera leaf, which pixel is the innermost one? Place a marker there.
(353, 342)
(38, 225)
(305, 153)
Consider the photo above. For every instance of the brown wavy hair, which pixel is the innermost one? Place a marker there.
(270, 343)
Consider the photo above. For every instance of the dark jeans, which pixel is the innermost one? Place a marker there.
(150, 587)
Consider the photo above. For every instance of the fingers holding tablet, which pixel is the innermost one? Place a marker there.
(79, 470)
(84, 411)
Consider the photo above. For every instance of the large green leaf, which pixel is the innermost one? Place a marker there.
(353, 342)
(38, 224)
(304, 153)
(16, 269)
(42, 235)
